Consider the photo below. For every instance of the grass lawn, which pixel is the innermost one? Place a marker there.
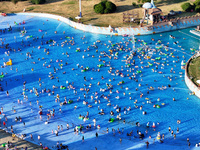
(194, 70)
(70, 8)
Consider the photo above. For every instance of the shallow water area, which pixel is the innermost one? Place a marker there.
(37, 51)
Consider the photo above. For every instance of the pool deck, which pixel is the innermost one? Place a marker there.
(164, 26)
(5, 137)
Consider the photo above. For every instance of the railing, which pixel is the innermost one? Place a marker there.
(177, 20)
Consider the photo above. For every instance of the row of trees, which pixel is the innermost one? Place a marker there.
(106, 7)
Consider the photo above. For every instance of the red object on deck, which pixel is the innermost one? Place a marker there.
(3, 14)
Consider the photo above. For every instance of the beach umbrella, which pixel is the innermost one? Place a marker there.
(147, 5)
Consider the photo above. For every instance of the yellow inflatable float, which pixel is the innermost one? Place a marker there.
(148, 57)
(9, 63)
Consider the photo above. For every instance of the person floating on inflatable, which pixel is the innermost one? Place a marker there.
(1, 76)
(153, 126)
(9, 63)
(147, 125)
(111, 119)
(62, 87)
(158, 136)
(70, 101)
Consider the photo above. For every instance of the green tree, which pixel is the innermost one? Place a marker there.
(140, 5)
(105, 7)
(134, 4)
(197, 8)
(111, 6)
(186, 7)
(99, 8)
(197, 2)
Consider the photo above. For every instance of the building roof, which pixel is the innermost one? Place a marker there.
(155, 11)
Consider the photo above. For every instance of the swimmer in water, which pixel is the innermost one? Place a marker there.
(171, 36)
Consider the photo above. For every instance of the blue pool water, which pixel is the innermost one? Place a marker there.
(62, 52)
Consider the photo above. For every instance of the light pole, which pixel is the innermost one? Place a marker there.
(80, 8)
(147, 15)
(79, 16)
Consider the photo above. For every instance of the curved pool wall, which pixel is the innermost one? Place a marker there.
(173, 24)
(188, 81)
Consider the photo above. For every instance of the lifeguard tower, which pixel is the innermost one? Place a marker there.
(151, 13)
